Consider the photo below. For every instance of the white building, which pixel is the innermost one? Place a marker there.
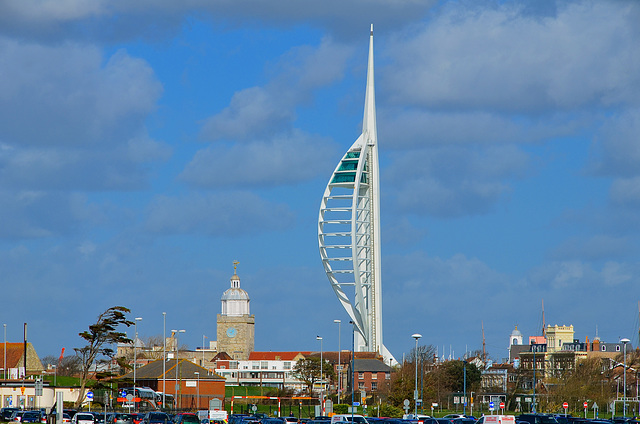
(267, 369)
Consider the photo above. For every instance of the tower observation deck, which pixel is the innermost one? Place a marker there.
(349, 230)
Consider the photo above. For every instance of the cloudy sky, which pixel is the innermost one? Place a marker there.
(146, 145)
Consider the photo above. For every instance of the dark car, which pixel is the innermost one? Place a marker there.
(31, 417)
(186, 417)
(537, 418)
(156, 418)
(121, 418)
(5, 413)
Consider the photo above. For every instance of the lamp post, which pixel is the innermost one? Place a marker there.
(203, 337)
(197, 390)
(534, 377)
(177, 387)
(624, 383)
(353, 354)
(464, 387)
(164, 357)
(5, 351)
(337, 321)
(321, 383)
(135, 360)
(415, 391)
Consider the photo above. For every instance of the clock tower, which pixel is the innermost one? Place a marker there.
(236, 326)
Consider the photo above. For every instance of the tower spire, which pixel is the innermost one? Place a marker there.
(349, 229)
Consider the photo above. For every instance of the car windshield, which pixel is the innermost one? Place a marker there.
(84, 417)
(190, 419)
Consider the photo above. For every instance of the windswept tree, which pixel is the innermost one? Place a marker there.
(100, 337)
(308, 371)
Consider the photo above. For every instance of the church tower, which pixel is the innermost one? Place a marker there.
(236, 326)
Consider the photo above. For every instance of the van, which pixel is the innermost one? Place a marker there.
(497, 419)
(349, 418)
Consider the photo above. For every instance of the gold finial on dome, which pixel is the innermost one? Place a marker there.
(235, 266)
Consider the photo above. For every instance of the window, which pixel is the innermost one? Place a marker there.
(255, 365)
(264, 365)
(233, 365)
(222, 367)
(287, 365)
(374, 385)
(360, 376)
(374, 375)
(387, 376)
(361, 386)
(604, 348)
(618, 348)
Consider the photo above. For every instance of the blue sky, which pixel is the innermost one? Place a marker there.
(145, 146)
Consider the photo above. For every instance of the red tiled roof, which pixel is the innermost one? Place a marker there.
(275, 356)
(15, 352)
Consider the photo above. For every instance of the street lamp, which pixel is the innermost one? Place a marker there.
(203, 337)
(197, 390)
(321, 383)
(5, 351)
(135, 359)
(164, 357)
(353, 363)
(177, 387)
(464, 387)
(337, 321)
(624, 383)
(415, 391)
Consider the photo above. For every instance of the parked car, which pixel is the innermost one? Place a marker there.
(83, 418)
(5, 413)
(537, 418)
(121, 418)
(156, 418)
(31, 417)
(186, 417)
(16, 416)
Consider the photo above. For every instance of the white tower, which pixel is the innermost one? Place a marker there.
(349, 230)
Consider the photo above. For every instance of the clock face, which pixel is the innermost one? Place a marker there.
(231, 332)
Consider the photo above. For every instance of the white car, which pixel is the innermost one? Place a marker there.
(83, 418)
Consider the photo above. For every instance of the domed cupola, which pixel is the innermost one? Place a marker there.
(235, 301)
(516, 337)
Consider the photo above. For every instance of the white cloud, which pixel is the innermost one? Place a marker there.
(474, 57)
(219, 214)
(286, 159)
(260, 112)
(122, 19)
(68, 119)
(453, 181)
(616, 151)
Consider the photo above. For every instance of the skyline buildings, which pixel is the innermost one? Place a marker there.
(349, 230)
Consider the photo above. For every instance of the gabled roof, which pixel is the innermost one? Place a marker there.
(15, 353)
(277, 356)
(222, 356)
(370, 365)
(15, 357)
(153, 371)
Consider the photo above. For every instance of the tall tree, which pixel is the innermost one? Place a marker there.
(99, 338)
(308, 370)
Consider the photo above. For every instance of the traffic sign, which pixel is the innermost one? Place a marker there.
(491, 406)
(586, 405)
(565, 405)
(90, 396)
(501, 405)
(356, 404)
